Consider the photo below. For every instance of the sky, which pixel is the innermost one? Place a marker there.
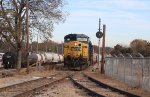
(125, 20)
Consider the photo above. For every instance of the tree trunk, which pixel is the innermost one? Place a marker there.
(19, 58)
(19, 42)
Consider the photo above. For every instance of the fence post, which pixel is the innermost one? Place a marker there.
(115, 57)
(124, 66)
(112, 67)
(131, 65)
(142, 67)
(131, 70)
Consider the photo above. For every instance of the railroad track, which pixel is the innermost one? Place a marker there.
(1, 68)
(26, 89)
(96, 88)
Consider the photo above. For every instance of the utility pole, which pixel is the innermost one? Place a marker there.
(99, 35)
(62, 47)
(103, 51)
(37, 46)
(99, 44)
(27, 33)
(31, 49)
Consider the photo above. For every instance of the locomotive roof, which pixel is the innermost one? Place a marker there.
(76, 35)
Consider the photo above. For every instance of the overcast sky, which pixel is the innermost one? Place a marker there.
(125, 20)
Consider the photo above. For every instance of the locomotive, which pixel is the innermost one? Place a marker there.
(10, 59)
(78, 51)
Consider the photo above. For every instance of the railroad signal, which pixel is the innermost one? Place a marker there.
(99, 34)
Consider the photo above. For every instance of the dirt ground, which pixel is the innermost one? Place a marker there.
(63, 89)
(18, 78)
(95, 73)
(67, 89)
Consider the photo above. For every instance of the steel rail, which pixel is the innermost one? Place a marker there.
(28, 92)
(25, 82)
(111, 88)
(90, 92)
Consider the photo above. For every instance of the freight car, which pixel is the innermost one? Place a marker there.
(10, 59)
(53, 58)
(1, 55)
(78, 51)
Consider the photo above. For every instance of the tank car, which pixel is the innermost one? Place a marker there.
(61, 58)
(43, 58)
(78, 51)
(10, 59)
(39, 57)
(48, 57)
(55, 58)
(1, 55)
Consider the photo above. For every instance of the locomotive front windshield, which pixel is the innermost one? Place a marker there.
(76, 37)
(67, 39)
(81, 39)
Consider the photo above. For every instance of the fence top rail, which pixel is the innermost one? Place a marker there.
(127, 57)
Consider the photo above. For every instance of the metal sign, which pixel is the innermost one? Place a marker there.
(99, 34)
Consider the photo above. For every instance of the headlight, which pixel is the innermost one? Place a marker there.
(75, 44)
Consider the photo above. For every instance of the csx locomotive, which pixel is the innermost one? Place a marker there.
(78, 51)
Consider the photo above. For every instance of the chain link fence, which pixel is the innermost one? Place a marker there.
(135, 71)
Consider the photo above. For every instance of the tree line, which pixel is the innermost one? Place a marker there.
(45, 46)
(136, 46)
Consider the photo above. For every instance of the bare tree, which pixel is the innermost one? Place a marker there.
(119, 49)
(140, 46)
(43, 15)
